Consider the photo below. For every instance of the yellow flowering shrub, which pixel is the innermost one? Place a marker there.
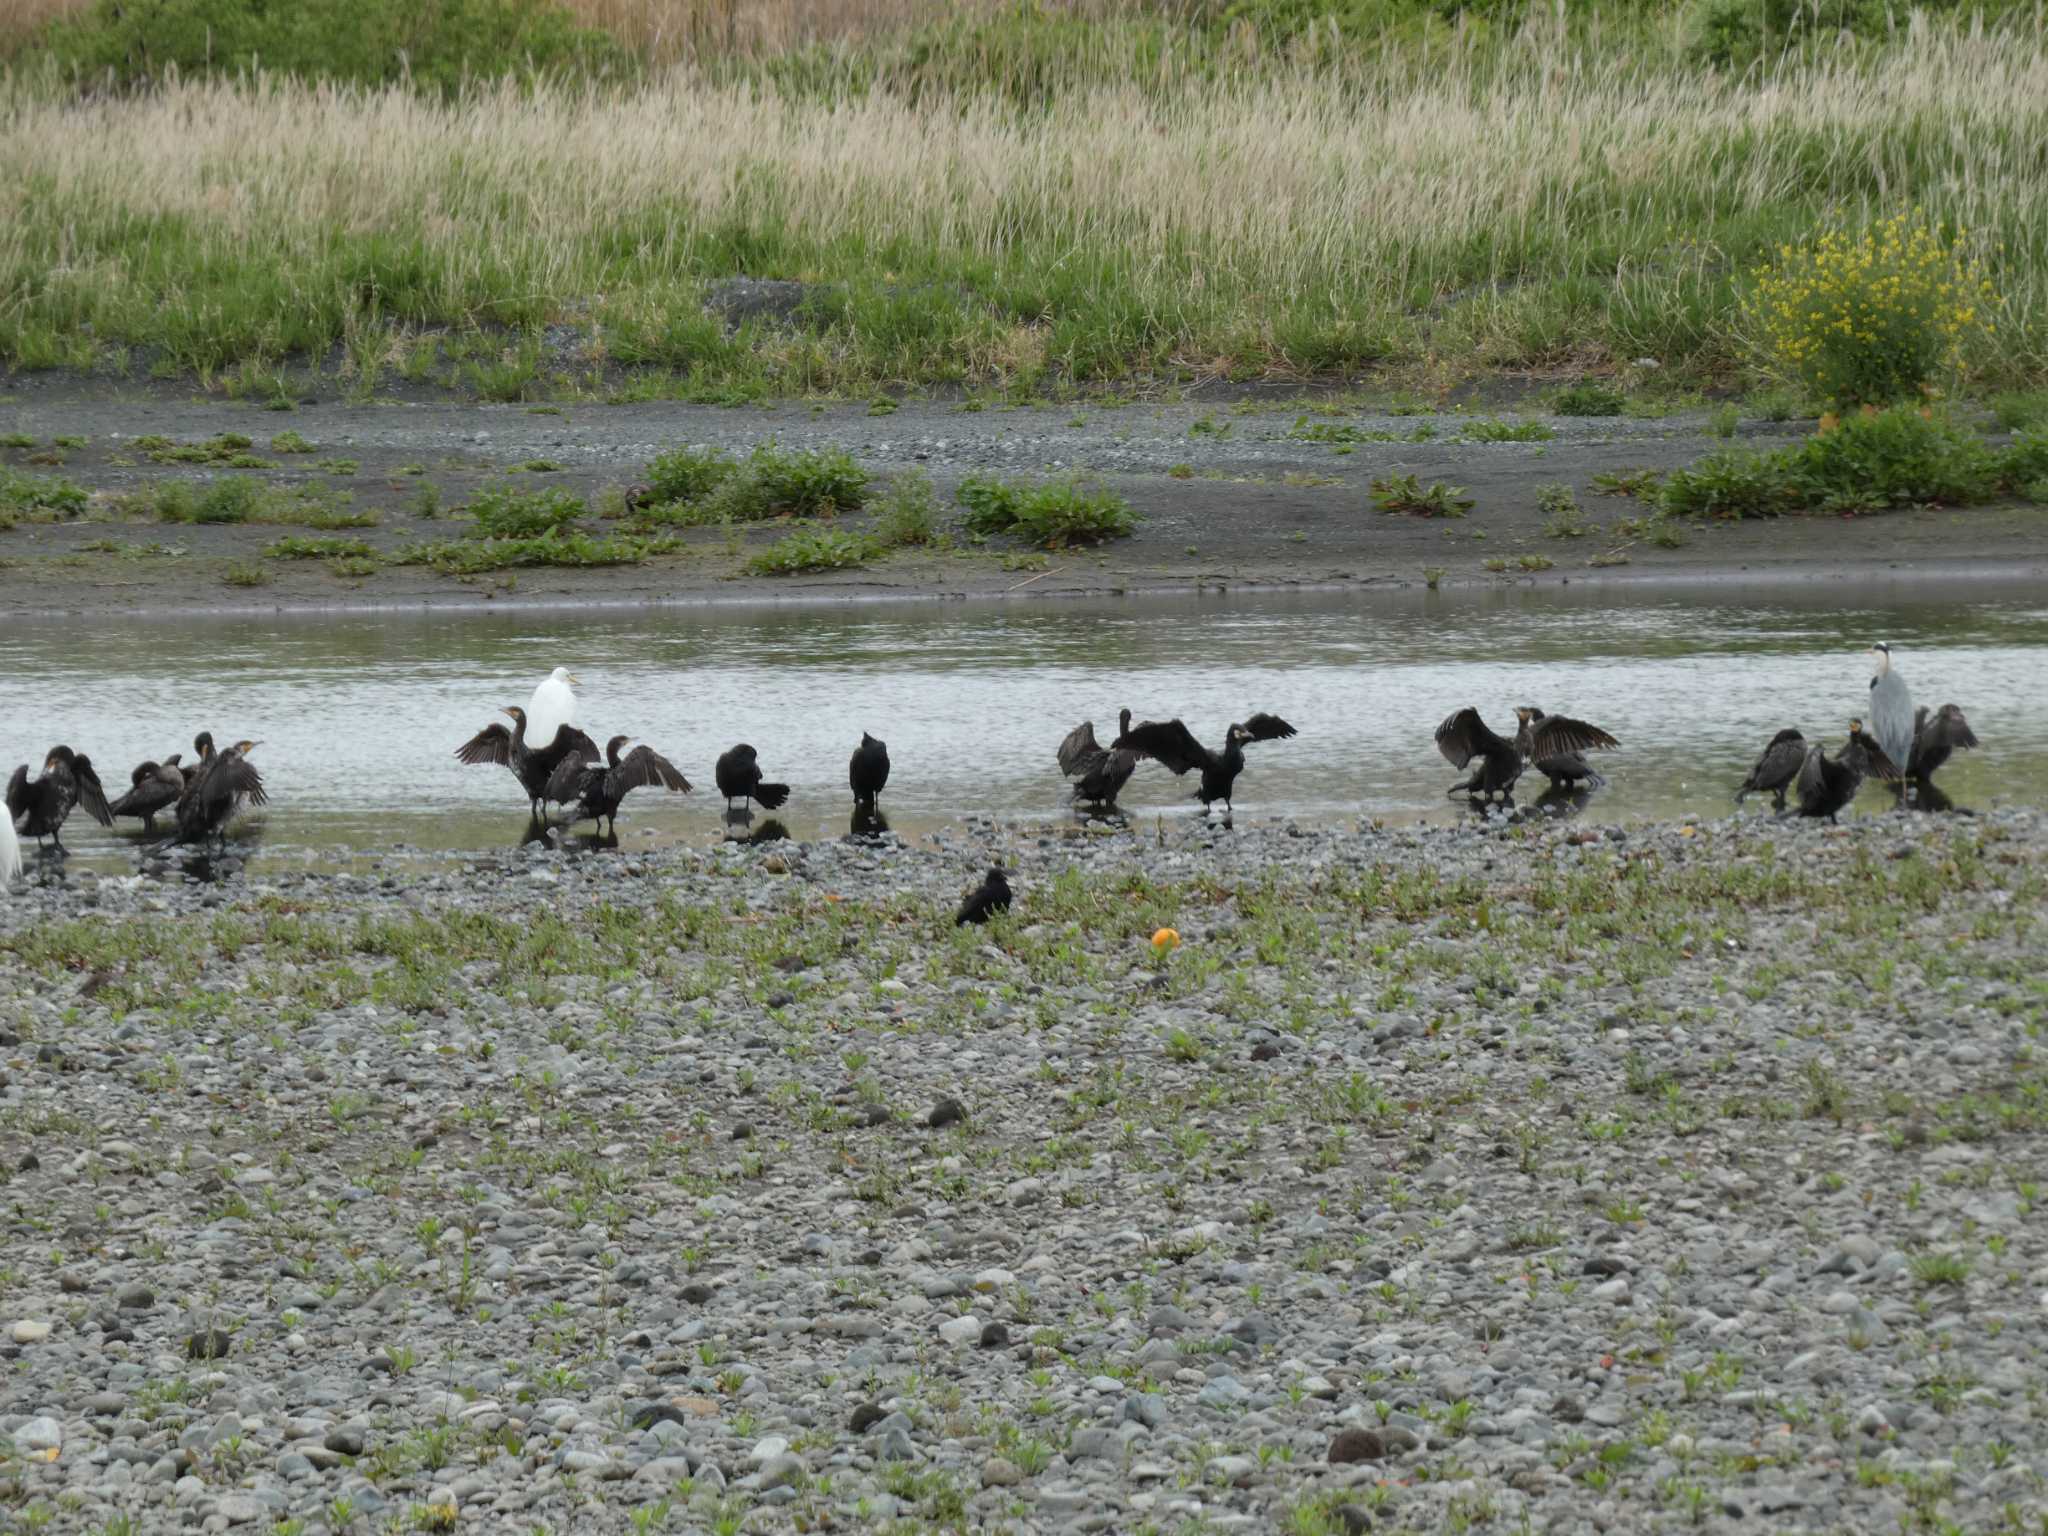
(1872, 316)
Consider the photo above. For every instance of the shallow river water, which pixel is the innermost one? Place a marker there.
(359, 715)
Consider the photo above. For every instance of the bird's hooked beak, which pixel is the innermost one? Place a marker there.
(1522, 713)
(246, 747)
(1855, 726)
(509, 710)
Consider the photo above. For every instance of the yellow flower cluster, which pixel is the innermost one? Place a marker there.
(1872, 316)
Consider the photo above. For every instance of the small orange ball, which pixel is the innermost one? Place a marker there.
(1165, 939)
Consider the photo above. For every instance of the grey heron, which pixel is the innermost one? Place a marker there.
(1891, 707)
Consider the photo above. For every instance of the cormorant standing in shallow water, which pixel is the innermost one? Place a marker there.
(1827, 785)
(532, 766)
(1099, 773)
(216, 789)
(1553, 749)
(738, 774)
(1776, 768)
(1465, 736)
(986, 899)
(1936, 737)
(41, 804)
(1173, 745)
(597, 788)
(868, 770)
(153, 787)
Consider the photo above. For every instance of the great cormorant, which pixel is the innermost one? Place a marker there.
(595, 789)
(41, 804)
(152, 787)
(1099, 773)
(1936, 737)
(532, 766)
(1776, 768)
(1552, 753)
(868, 771)
(1826, 785)
(738, 775)
(216, 789)
(1465, 736)
(1173, 745)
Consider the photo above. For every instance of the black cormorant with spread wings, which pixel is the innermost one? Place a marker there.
(1099, 773)
(1173, 745)
(532, 766)
(40, 805)
(1464, 736)
(595, 789)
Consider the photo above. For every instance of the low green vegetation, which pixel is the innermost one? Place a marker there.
(1053, 513)
(1894, 458)
(696, 486)
(1588, 397)
(39, 498)
(1406, 494)
(1488, 431)
(815, 549)
(229, 450)
(296, 548)
(429, 45)
(470, 557)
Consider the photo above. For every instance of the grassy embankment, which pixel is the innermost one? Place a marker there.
(986, 201)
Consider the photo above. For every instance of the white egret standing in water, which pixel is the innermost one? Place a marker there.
(10, 848)
(552, 706)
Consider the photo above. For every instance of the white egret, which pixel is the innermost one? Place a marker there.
(10, 849)
(1891, 708)
(552, 706)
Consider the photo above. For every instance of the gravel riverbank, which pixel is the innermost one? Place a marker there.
(1439, 1180)
(1269, 492)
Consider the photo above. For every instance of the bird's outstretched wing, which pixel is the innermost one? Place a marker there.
(1465, 736)
(572, 776)
(1169, 743)
(1951, 729)
(1876, 764)
(492, 744)
(90, 794)
(1080, 751)
(1555, 734)
(17, 791)
(644, 766)
(570, 743)
(1812, 776)
(234, 774)
(1268, 728)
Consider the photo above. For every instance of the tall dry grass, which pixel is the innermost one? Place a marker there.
(1506, 219)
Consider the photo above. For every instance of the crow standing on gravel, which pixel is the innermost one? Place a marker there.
(985, 900)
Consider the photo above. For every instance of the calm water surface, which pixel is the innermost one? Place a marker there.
(359, 716)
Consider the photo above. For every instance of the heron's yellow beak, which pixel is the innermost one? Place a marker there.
(575, 679)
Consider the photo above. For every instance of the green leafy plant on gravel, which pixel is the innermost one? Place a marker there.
(1054, 513)
(502, 513)
(230, 450)
(1869, 462)
(1560, 509)
(814, 549)
(1406, 494)
(38, 497)
(908, 513)
(296, 548)
(466, 557)
(1588, 397)
(1507, 432)
(699, 485)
